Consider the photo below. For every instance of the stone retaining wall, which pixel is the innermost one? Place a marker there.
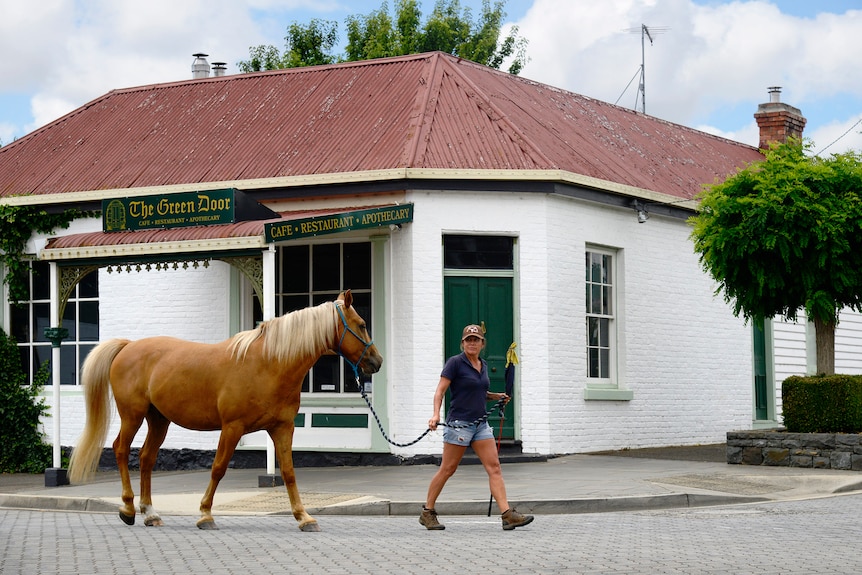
(780, 448)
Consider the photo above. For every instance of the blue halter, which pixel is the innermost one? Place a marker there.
(347, 328)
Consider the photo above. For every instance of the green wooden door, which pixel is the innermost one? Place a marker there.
(485, 301)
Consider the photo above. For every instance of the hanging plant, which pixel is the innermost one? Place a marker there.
(17, 224)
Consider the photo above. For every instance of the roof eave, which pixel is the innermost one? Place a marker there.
(133, 251)
(370, 176)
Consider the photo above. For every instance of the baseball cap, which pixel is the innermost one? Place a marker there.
(472, 330)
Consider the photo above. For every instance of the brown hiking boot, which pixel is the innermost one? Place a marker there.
(512, 519)
(429, 520)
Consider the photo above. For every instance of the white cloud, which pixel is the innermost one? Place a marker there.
(709, 66)
(31, 40)
(705, 63)
(86, 49)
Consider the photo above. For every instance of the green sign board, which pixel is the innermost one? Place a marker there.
(340, 222)
(179, 210)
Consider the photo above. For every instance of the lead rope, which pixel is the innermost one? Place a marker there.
(484, 418)
(499, 405)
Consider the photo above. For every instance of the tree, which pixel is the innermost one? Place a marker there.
(17, 224)
(22, 448)
(304, 46)
(449, 28)
(785, 234)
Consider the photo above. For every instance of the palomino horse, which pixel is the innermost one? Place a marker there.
(249, 382)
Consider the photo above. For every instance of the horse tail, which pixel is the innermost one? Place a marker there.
(97, 401)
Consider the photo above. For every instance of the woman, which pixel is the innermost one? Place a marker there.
(466, 376)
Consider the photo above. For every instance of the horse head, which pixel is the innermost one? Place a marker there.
(353, 341)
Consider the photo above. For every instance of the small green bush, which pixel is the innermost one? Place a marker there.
(22, 448)
(822, 404)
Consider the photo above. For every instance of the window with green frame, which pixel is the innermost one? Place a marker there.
(28, 320)
(308, 275)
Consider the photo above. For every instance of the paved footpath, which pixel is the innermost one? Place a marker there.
(569, 484)
(811, 537)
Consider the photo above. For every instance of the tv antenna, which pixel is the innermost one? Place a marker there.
(645, 32)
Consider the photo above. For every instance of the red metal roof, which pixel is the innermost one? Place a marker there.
(420, 111)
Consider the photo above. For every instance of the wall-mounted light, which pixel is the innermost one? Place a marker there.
(641, 209)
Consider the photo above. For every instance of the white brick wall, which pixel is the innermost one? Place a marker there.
(686, 357)
(195, 306)
(681, 351)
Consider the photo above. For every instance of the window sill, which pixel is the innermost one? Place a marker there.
(765, 424)
(606, 394)
(333, 400)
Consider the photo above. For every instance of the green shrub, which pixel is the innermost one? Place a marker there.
(22, 448)
(822, 404)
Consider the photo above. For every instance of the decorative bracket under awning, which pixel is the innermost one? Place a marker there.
(250, 265)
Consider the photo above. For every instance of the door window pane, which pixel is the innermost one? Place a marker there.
(478, 252)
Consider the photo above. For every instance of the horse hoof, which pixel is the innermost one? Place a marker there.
(153, 522)
(127, 519)
(311, 527)
(207, 524)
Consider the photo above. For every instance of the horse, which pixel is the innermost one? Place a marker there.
(247, 383)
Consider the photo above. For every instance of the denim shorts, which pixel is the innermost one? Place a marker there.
(464, 433)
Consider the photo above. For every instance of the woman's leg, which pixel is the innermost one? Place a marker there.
(486, 449)
(452, 455)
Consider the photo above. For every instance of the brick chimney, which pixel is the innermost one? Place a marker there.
(777, 121)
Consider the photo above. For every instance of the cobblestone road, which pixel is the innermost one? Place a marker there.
(818, 536)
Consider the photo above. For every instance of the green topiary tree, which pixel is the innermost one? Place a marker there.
(22, 448)
(785, 234)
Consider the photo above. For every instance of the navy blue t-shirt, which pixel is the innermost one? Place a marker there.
(468, 388)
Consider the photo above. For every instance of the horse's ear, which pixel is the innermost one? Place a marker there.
(347, 297)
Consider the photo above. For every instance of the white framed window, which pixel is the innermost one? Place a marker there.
(600, 318)
(310, 274)
(29, 319)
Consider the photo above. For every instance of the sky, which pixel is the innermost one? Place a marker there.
(709, 65)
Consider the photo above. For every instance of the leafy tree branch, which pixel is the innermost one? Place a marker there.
(449, 28)
(17, 224)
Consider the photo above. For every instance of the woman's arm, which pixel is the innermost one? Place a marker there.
(442, 386)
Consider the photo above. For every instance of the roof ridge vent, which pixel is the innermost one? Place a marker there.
(200, 66)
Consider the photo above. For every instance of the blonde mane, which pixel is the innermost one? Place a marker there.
(296, 334)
